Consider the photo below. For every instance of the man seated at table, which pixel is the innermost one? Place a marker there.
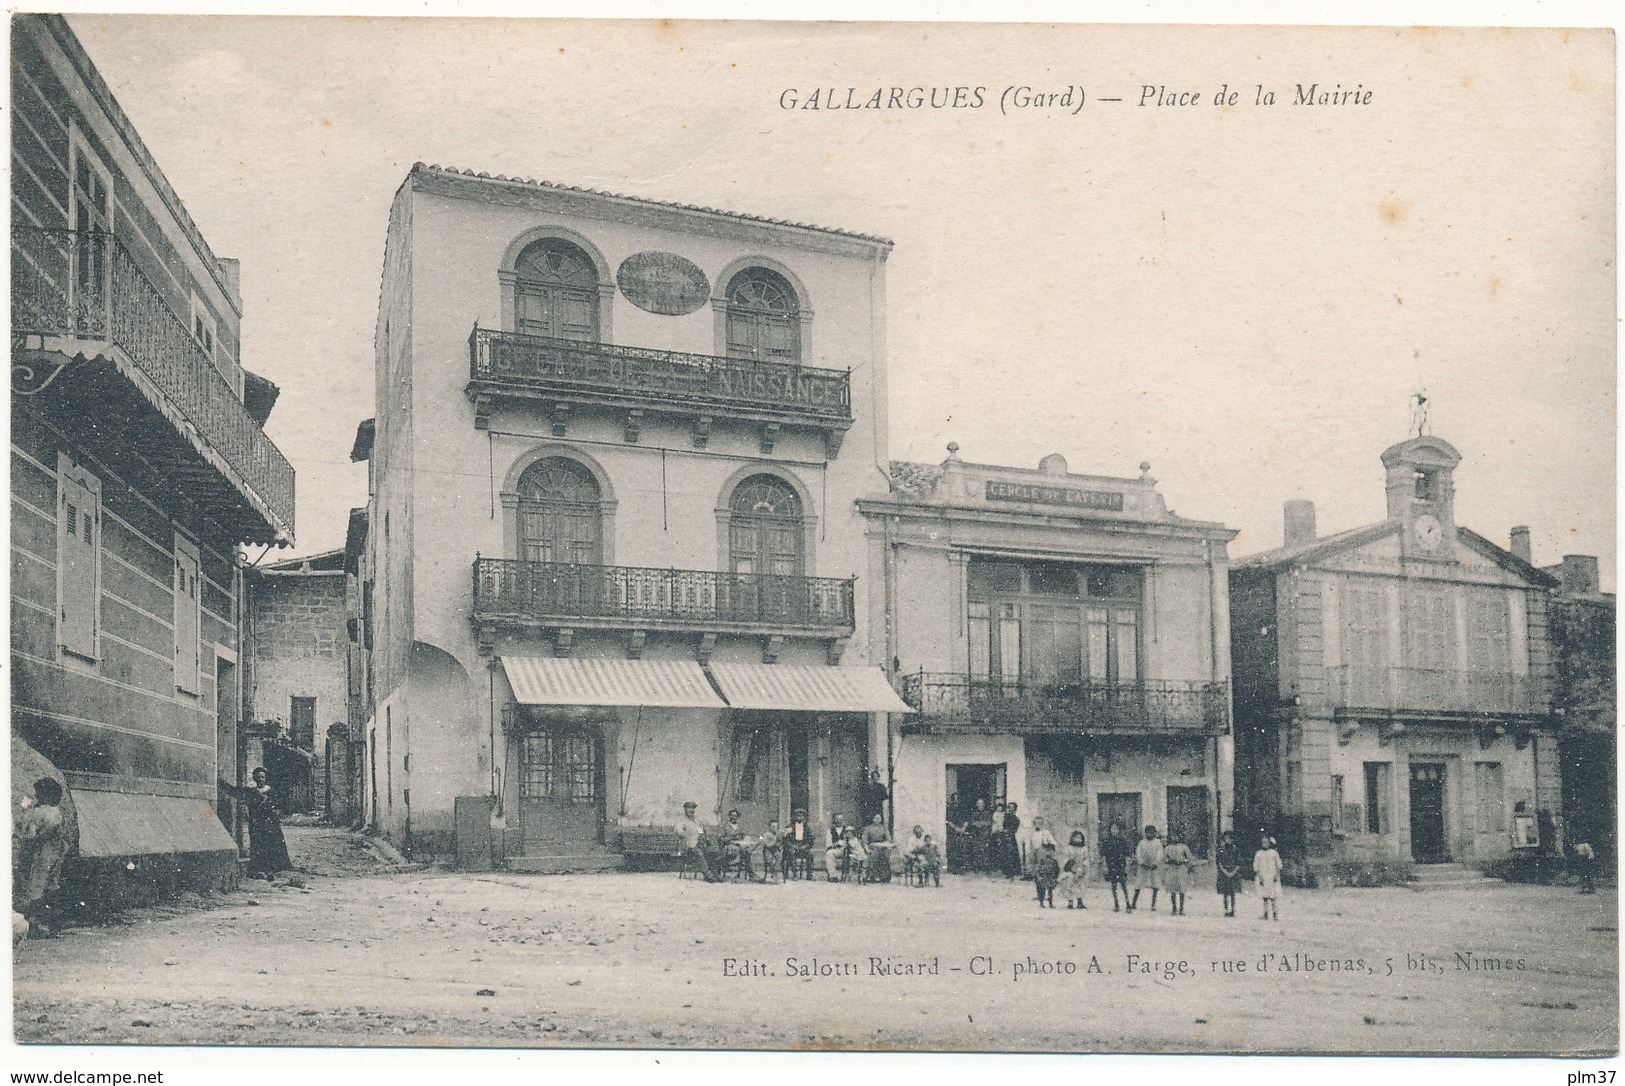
(693, 835)
(797, 843)
(877, 845)
(735, 846)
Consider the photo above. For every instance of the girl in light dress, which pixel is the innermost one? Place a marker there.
(1075, 870)
(1267, 874)
(1176, 865)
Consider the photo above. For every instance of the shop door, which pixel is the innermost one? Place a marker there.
(561, 789)
(848, 757)
(1188, 818)
(1118, 808)
(756, 775)
(1427, 813)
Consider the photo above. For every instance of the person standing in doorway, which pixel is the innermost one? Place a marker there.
(1115, 852)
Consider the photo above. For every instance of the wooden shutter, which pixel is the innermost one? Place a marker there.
(186, 588)
(79, 546)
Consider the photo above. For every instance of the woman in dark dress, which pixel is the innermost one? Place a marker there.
(267, 851)
(1009, 855)
(1228, 862)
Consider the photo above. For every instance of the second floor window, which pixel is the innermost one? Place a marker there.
(556, 292)
(764, 317)
(560, 514)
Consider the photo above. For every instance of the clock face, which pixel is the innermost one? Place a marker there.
(1429, 532)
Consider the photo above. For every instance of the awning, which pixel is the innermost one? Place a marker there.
(128, 824)
(672, 684)
(811, 689)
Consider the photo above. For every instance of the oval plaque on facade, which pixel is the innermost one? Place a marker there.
(663, 283)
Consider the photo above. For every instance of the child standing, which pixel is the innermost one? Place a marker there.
(1075, 864)
(1176, 863)
(1229, 864)
(1046, 874)
(1116, 852)
(1267, 874)
(1147, 868)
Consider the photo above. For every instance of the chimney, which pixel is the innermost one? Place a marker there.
(1520, 543)
(1300, 521)
(1579, 574)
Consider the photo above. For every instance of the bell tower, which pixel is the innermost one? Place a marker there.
(1422, 496)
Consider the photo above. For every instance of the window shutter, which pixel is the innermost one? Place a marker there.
(187, 617)
(78, 560)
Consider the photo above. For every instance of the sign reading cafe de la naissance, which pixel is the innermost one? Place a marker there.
(1054, 495)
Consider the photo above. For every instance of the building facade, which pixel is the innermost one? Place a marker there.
(1393, 684)
(1065, 640)
(298, 650)
(1585, 698)
(139, 465)
(612, 548)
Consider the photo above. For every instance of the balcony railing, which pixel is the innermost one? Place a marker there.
(511, 590)
(560, 365)
(1434, 690)
(953, 702)
(85, 285)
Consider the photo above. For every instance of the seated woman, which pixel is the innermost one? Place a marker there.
(877, 845)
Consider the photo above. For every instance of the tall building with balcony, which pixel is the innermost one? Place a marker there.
(1064, 638)
(1393, 682)
(138, 466)
(612, 547)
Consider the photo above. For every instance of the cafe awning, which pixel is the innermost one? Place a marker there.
(672, 684)
(131, 824)
(810, 689)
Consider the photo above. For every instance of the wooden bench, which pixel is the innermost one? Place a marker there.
(654, 848)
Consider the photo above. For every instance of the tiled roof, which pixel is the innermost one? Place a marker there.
(452, 171)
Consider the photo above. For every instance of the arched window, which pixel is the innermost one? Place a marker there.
(765, 528)
(764, 317)
(560, 514)
(555, 291)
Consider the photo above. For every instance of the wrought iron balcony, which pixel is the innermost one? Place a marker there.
(958, 703)
(575, 373)
(517, 592)
(1434, 691)
(86, 297)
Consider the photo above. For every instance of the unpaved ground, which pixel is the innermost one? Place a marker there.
(360, 958)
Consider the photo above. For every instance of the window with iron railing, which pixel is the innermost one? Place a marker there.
(1050, 623)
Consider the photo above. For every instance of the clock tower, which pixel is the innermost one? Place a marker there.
(1422, 496)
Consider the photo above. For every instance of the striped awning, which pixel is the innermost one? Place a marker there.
(673, 684)
(131, 824)
(811, 689)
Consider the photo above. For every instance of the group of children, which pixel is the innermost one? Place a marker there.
(1160, 865)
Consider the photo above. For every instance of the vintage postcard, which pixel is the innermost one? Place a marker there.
(558, 534)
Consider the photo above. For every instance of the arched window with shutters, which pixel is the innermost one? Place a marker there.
(764, 317)
(560, 513)
(765, 532)
(556, 291)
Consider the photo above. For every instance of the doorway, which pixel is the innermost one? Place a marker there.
(1427, 813)
(1118, 809)
(963, 785)
(1189, 818)
(561, 788)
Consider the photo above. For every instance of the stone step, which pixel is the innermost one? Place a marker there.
(578, 863)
